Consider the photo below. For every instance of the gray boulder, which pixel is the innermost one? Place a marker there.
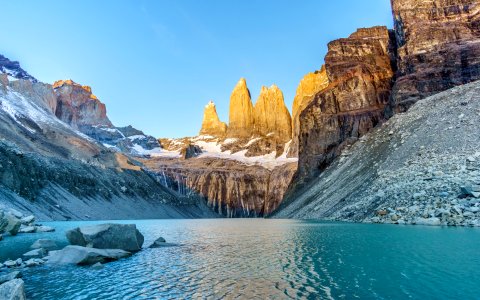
(85, 256)
(107, 236)
(37, 253)
(43, 228)
(13, 290)
(13, 224)
(10, 276)
(26, 229)
(45, 244)
(28, 220)
(160, 242)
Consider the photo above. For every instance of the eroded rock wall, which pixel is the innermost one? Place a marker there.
(360, 73)
(438, 47)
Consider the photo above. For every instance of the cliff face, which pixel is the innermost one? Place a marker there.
(231, 188)
(309, 86)
(77, 105)
(241, 112)
(271, 116)
(360, 73)
(439, 47)
(211, 124)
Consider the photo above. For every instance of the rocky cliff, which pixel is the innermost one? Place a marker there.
(420, 167)
(438, 47)
(77, 106)
(309, 86)
(271, 116)
(360, 74)
(231, 188)
(241, 112)
(211, 124)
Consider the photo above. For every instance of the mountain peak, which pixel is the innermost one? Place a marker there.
(13, 69)
(211, 124)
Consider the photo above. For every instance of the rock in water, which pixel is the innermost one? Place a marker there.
(107, 236)
(13, 290)
(241, 111)
(13, 224)
(45, 244)
(211, 124)
(360, 73)
(271, 116)
(438, 47)
(85, 256)
(309, 86)
(10, 276)
(37, 253)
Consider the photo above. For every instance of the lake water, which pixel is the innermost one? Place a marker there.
(270, 259)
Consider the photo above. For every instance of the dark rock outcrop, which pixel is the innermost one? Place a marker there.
(360, 75)
(438, 47)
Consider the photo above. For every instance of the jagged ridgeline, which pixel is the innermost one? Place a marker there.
(53, 164)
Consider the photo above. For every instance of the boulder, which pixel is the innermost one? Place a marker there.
(13, 290)
(10, 263)
(45, 244)
(428, 222)
(28, 220)
(44, 229)
(160, 242)
(13, 225)
(107, 236)
(26, 229)
(85, 256)
(37, 253)
(10, 276)
(97, 266)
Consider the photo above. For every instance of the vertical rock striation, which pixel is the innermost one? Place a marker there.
(271, 116)
(360, 72)
(438, 47)
(309, 86)
(211, 124)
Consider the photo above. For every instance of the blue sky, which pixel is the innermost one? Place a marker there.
(156, 64)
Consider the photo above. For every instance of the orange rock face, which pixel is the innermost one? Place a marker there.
(241, 112)
(309, 86)
(271, 116)
(77, 106)
(211, 124)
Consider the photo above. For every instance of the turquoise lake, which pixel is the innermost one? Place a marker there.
(269, 259)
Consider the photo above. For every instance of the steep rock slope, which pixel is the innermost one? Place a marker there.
(56, 172)
(420, 167)
(439, 47)
(360, 75)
